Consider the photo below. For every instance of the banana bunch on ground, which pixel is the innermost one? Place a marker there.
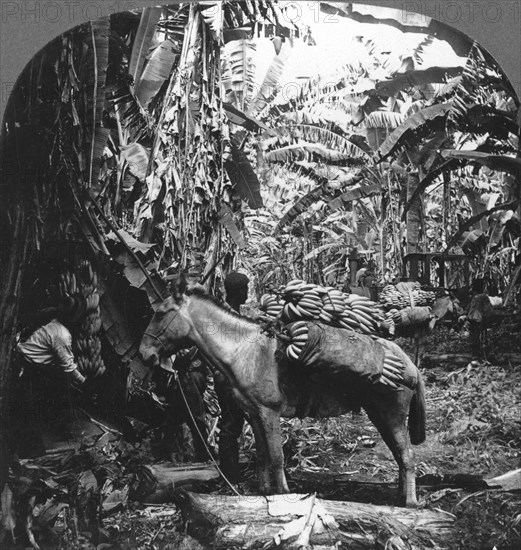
(405, 295)
(86, 343)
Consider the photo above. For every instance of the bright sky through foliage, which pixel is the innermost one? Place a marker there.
(337, 44)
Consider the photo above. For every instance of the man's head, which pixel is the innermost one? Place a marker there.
(71, 310)
(236, 287)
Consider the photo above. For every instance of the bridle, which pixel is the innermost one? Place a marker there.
(156, 336)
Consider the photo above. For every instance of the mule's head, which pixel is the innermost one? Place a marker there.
(447, 306)
(169, 328)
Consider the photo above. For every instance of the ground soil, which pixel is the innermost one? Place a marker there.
(473, 429)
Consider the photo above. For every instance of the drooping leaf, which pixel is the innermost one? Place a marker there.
(501, 163)
(137, 157)
(269, 85)
(236, 33)
(426, 181)
(512, 205)
(212, 13)
(411, 79)
(325, 247)
(411, 125)
(226, 219)
(403, 20)
(236, 116)
(156, 71)
(238, 76)
(311, 152)
(143, 41)
(354, 194)
(322, 193)
(320, 135)
(300, 206)
(243, 177)
(95, 79)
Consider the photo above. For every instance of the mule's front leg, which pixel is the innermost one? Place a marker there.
(271, 422)
(263, 461)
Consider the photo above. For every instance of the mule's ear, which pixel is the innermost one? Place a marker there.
(178, 287)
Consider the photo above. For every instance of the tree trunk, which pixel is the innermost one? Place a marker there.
(157, 483)
(10, 280)
(228, 522)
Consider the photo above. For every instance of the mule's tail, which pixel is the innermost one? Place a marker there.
(417, 413)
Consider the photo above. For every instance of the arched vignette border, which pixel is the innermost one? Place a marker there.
(26, 26)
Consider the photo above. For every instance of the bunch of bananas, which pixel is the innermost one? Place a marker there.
(271, 305)
(301, 301)
(86, 343)
(393, 370)
(298, 332)
(393, 298)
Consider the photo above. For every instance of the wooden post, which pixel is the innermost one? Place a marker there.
(353, 266)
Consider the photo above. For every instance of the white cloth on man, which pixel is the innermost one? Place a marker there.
(51, 344)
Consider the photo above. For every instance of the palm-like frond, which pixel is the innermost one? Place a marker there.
(411, 126)
(319, 135)
(238, 77)
(143, 41)
(95, 78)
(311, 152)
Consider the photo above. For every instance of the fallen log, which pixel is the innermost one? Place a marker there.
(226, 522)
(157, 483)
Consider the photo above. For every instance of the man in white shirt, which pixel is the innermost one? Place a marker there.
(46, 371)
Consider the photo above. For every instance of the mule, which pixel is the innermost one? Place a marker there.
(445, 306)
(267, 385)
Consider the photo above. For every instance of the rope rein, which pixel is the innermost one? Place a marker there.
(176, 375)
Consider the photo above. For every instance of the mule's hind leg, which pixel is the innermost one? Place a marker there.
(389, 413)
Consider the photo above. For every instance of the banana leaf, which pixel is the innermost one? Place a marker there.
(403, 20)
(238, 78)
(319, 193)
(95, 80)
(354, 194)
(411, 79)
(269, 85)
(319, 135)
(137, 157)
(243, 177)
(156, 71)
(412, 125)
(513, 205)
(226, 219)
(236, 116)
(378, 125)
(426, 181)
(143, 41)
(501, 163)
(311, 152)
(324, 248)
(212, 13)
